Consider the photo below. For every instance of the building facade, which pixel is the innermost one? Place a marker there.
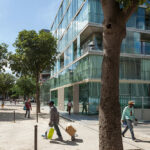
(77, 73)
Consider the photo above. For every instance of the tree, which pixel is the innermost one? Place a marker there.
(34, 53)
(25, 87)
(6, 83)
(3, 56)
(116, 14)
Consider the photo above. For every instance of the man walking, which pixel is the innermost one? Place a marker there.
(54, 119)
(28, 108)
(127, 118)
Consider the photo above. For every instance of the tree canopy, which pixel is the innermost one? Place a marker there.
(6, 83)
(3, 56)
(34, 52)
(25, 86)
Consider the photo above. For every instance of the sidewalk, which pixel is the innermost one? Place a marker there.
(142, 131)
(20, 135)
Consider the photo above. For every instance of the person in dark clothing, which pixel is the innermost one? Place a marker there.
(54, 119)
(69, 106)
(84, 107)
(28, 108)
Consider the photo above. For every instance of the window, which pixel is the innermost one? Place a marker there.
(62, 61)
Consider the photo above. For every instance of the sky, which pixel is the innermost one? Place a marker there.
(17, 15)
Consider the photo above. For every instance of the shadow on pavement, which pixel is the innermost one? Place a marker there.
(6, 109)
(9, 116)
(142, 141)
(44, 115)
(79, 117)
(72, 143)
(139, 140)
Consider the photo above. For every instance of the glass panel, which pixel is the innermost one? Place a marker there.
(83, 95)
(45, 92)
(54, 97)
(68, 94)
(94, 11)
(94, 97)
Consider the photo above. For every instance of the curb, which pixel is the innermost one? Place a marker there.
(66, 118)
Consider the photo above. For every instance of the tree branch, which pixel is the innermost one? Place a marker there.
(131, 9)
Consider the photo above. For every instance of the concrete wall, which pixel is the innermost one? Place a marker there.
(61, 99)
(142, 114)
(76, 98)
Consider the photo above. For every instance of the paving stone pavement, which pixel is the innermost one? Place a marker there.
(20, 135)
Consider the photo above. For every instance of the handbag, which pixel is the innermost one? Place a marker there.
(50, 133)
(24, 108)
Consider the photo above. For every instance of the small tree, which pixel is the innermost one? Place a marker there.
(3, 56)
(116, 15)
(34, 53)
(6, 83)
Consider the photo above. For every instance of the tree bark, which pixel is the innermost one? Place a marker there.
(4, 96)
(114, 30)
(37, 94)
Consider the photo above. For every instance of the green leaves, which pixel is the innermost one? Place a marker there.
(34, 52)
(3, 56)
(25, 86)
(6, 82)
(125, 4)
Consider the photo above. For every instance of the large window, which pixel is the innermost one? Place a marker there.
(62, 61)
(136, 43)
(95, 11)
(54, 97)
(68, 94)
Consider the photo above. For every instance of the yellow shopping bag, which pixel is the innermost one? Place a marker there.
(50, 133)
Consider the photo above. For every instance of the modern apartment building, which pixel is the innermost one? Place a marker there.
(77, 73)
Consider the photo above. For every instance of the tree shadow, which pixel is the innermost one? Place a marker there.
(44, 115)
(6, 109)
(71, 143)
(9, 116)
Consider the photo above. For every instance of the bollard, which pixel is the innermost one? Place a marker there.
(35, 137)
(37, 117)
(14, 116)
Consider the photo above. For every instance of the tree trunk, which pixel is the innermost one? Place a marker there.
(24, 97)
(37, 94)
(114, 30)
(4, 96)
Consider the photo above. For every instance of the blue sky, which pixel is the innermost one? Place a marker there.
(16, 15)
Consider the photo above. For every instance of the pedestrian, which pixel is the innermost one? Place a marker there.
(84, 107)
(2, 104)
(15, 101)
(28, 108)
(54, 119)
(69, 106)
(128, 118)
(10, 101)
